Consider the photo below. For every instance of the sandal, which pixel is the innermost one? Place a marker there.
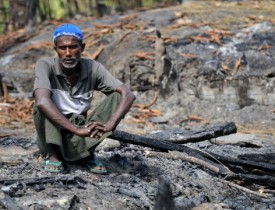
(96, 167)
(58, 167)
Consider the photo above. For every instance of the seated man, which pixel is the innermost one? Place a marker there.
(63, 91)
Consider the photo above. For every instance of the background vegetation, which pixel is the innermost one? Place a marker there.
(16, 14)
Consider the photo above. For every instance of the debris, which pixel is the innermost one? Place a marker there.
(15, 110)
(237, 65)
(164, 198)
(44, 180)
(194, 118)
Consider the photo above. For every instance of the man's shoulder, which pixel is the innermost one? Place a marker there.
(90, 64)
(48, 60)
(88, 61)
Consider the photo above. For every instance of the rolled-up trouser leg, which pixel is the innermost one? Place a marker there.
(41, 123)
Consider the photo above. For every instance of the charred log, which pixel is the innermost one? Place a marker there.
(162, 146)
(186, 136)
(267, 158)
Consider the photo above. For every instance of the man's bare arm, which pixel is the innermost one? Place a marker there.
(45, 104)
(127, 99)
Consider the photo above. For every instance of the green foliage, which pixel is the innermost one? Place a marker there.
(64, 9)
(53, 9)
(4, 14)
(57, 8)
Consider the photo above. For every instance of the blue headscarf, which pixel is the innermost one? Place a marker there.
(68, 30)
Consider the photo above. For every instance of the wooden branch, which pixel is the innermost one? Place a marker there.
(185, 136)
(244, 189)
(185, 157)
(146, 106)
(262, 190)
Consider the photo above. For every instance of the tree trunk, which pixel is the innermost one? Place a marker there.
(101, 8)
(70, 11)
(18, 14)
(76, 7)
(31, 6)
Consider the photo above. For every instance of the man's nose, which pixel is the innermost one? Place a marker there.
(68, 52)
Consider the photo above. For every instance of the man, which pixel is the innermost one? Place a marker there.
(63, 91)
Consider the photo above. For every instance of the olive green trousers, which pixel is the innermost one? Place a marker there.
(73, 147)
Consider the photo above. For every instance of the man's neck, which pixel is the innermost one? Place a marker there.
(70, 71)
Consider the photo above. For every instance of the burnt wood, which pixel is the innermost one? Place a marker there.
(186, 136)
(162, 145)
(257, 157)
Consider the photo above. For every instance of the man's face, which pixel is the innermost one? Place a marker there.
(69, 51)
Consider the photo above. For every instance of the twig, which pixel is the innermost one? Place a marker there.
(262, 190)
(146, 106)
(247, 179)
(244, 189)
(246, 163)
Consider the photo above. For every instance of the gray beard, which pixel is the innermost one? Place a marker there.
(69, 66)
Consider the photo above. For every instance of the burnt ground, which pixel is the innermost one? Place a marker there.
(133, 181)
(222, 70)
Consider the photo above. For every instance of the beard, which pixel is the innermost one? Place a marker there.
(69, 63)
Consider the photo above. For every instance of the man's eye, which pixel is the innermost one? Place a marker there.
(62, 48)
(73, 46)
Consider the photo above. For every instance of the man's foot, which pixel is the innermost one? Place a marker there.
(94, 166)
(52, 164)
(54, 167)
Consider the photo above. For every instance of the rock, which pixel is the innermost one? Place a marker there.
(238, 139)
(15, 155)
(108, 144)
(212, 206)
(6, 202)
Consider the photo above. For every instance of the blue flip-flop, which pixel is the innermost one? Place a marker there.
(92, 166)
(57, 166)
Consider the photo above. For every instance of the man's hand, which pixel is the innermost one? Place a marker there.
(92, 129)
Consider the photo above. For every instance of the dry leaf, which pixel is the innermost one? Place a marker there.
(225, 67)
(97, 52)
(237, 65)
(188, 55)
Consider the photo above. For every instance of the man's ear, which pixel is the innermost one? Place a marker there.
(54, 47)
(83, 47)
